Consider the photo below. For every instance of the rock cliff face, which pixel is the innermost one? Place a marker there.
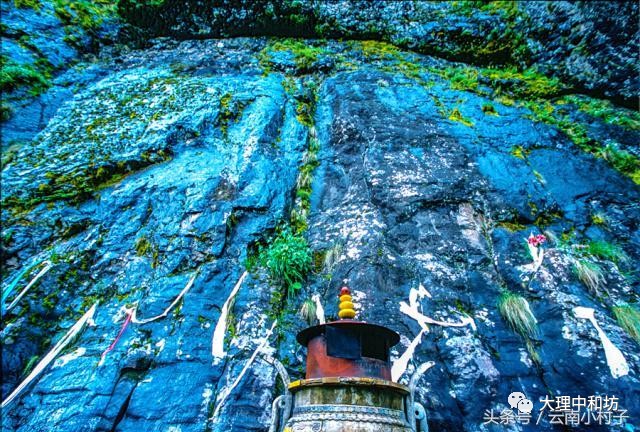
(592, 45)
(153, 179)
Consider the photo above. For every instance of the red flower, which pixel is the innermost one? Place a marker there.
(536, 240)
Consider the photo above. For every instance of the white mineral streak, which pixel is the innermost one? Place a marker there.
(359, 298)
(430, 263)
(355, 224)
(400, 365)
(207, 393)
(319, 308)
(66, 339)
(411, 310)
(525, 358)
(227, 390)
(217, 344)
(467, 221)
(616, 361)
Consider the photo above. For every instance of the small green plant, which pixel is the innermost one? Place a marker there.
(143, 245)
(308, 311)
(516, 312)
(539, 177)
(305, 54)
(489, 109)
(464, 78)
(294, 289)
(527, 84)
(33, 4)
(599, 218)
(621, 160)
(30, 365)
(15, 75)
(230, 111)
(376, 50)
(512, 226)
(288, 260)
(607, 251)
(628, 318)
(590, 274)
(88, 15)
(531, 349)
(457, 116)
(505, 100)
(606, 111)
(520, 152)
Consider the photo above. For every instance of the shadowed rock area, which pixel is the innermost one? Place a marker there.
(152, 179)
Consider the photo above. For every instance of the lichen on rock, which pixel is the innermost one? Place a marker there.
(413, 161)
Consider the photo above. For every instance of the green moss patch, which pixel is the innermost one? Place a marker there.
(84, 14)
(305, 53)
(14, 75)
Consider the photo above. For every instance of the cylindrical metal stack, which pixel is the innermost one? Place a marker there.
(348, 404)
(348, 387)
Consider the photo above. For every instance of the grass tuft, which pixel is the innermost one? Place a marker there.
(308, 311)
(606, 111)
(32, 4)
(489, 109)
(628, 318)
(143, 245)
(331, 257)
(520, 152)
(607, 251)
(516, 312)
(590, 274)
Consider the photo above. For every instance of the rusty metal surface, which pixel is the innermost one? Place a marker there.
(320, 365)
(311, 332)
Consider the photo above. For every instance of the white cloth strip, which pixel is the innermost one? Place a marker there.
(228, 391)
(41, 273)
(135, 320)
(217, 342)
(62, 343)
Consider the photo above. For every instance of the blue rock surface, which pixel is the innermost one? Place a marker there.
(141, 169)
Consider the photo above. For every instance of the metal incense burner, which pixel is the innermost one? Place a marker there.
(347, 386)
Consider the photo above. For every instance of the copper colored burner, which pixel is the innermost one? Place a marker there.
(348, 348)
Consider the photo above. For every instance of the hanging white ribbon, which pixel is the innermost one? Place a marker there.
(319, 309)
(227, 391)
(217, 342)
(41, 273)
(62, 343)
(187, 287)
